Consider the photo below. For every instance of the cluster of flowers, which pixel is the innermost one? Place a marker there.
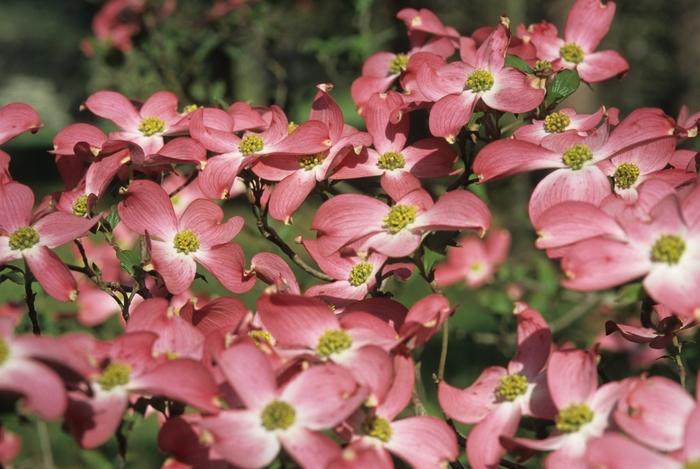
(327, 373)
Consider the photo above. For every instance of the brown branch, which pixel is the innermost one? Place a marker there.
(29, 297)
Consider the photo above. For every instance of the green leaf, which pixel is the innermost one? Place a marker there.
(14, 277)
(563, 85)
(129, 260)
(112, 219)
(517, 63)
(630, 294)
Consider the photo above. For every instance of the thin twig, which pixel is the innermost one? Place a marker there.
(678, 359)
(29, 297)
(271, 234)
(184, 184)
(45, 444)
(443, 351)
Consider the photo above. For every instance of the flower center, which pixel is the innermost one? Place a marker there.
(512, 386)
(292, 126)
(190, 108)
(693, 464)
(260, 336)
(360, 273)
(391, 160)
(278, 415)
(4, 351)
(151, 126)
(186, 242)
(480, 80)
(571, 53)
(542, 67)
(626, 175)
(572, 418)
(576, 156)
(333, 341)
(23, 238)
(668, 249)
(80, 206)
(309, 162)
(116, 374)
(556, 122)
(399, 217)
(250, 144)
(398, 64)
(377, 427)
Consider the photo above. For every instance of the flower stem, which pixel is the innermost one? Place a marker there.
(678, 358)
(29, 297)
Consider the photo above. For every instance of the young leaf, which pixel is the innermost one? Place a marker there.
(563, 85)
(517, 63)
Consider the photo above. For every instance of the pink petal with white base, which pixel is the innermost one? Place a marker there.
(248, 370)
(241, 440)
(289, 194)
(183, 379)
(323, 396)
(607, 450)
(599, 66)
(570, 222)
(16, 202)
(588, 184)
(227, 263)
(93, 421)
(41, 388)
(178, 270)
(600, 263)
(508, 157)
(450, 114)
(59, 228)
(296, 320)
(147, 208)
(51, 273)
(484, 449)
(115, 107)
(273, 270)
(588, 23)
(17, 118)
(310, 449)
(161, 104)
(204, 218)
(425, 442)
(472, 404)
(572, 377)
(514, 92)
(654, 412)
(399, 395)
(219, 174)
(456, 210)
(372, 367)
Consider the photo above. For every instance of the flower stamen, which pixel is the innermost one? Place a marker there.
(186, 242)
(150, 126)
(399, 217)
(576, 156)
(668, 249)
(480, 80)
(333, 342)
(22, 238)
(251, 144)
(278, 415)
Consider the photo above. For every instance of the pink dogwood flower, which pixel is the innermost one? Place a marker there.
(398, 164)
(146, 127)
(577, 175)
(664, 249)
(215, 130)
(291, 416)
(123, 367)
(659, 335)
(23, 236)
(304, 326)
(355, 276)
(423, 441)
(457, 87)
(557, 122)
(298, 174)
(606, 451)
(474, 261)
(583, 408)
(500, 396)
(588, 22)
(397, 230)
(177, 244)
